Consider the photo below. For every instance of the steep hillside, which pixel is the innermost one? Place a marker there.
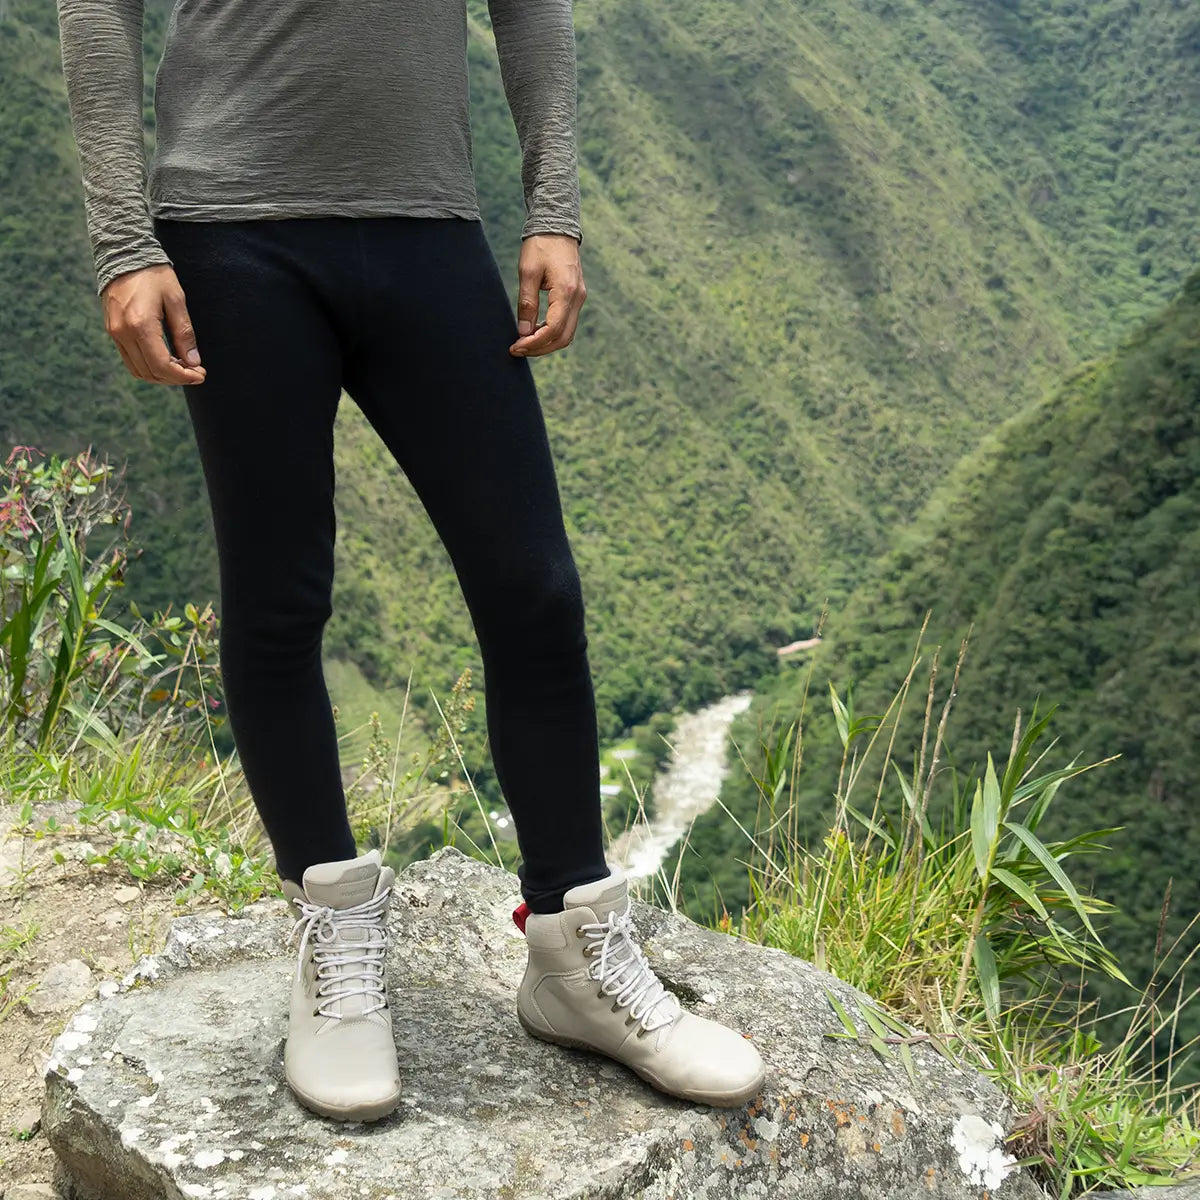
(1088, 112)
(811, 322)
(1071, 543)
(819, 265)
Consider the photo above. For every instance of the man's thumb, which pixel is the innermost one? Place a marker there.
(179, 325)
(527, 305)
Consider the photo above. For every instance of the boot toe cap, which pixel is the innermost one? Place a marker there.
(350, 1071)
(712, 1063)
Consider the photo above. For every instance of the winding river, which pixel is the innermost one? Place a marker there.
(687, 786)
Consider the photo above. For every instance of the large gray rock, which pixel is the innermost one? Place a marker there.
(173, 1086)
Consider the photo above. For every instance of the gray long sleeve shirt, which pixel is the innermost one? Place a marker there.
(277, 108)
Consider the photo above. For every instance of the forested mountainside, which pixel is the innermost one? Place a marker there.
(827, 248)
(1069, 545)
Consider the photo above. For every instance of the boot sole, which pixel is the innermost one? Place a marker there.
(357, 1112)
(716, 1099)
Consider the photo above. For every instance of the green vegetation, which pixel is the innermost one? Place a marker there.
(971, 929)
(13, 941)
(125, 722)
(826, 248)
(967, 934)
(115, 718)
(632, 764)
(1067, 547)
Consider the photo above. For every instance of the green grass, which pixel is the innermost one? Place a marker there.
(971, 934)
(14, 940)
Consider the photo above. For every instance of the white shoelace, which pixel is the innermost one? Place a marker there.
(343, 962)
(624, 972)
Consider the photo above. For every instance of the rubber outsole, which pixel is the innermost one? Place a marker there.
(360, 1112)
(733, 1099)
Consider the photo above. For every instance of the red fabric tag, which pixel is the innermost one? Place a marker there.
(519, 914)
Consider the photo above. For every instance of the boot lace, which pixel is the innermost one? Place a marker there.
(624, 972)
(345, 966)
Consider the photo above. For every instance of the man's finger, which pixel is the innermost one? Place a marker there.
(529, 289)
(179, 328)
(545, 338)
(572, 321)
(131, 350)
(561, 320)
(158, 358)
(126, 359)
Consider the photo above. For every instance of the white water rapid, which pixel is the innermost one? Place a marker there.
(686, 786)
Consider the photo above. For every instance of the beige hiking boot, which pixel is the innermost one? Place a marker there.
(588, 984)
(340, 1056)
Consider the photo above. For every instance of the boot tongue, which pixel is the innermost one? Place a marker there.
(342, 884)
(602, 896)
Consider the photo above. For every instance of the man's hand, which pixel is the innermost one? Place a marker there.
(138, 306)
(549, 263)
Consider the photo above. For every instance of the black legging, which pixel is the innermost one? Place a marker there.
(411, 316)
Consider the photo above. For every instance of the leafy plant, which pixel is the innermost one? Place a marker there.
(969, 929)
(59, 654)
(13, 941)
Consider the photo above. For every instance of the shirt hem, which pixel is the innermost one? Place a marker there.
(206, 210)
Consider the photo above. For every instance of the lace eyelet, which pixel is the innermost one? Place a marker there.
(616, 1007)
(579, 933)
(600, 994)
(643, 1031)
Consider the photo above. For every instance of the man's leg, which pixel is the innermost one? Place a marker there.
(263, 424)
(463, 419)
(263, 298)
